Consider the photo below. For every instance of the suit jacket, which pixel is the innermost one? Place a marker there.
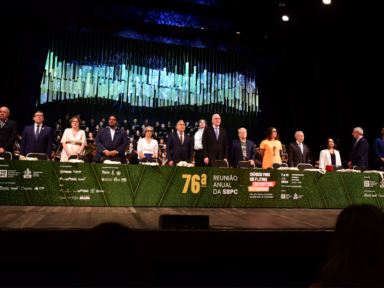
(8, 135)
(212, 148)
(325, 158)
(43, 144)
(359, 153)
(295, 156)
(378, 150)
(237, 152)
(104, 142)
(177, 151)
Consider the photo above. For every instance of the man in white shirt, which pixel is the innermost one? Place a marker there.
(198, 144)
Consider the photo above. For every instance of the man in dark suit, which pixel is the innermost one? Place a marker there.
(242, 149)
(8, 131)
(179, 145)
(359, 153)
(110, 141)
(215, 145)
(297, 151)
(37, 138)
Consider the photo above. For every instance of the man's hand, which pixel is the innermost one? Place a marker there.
(113, 153)
(350, 165)
(225, 160)
(170, 163)
(252, 162)
(107, 153)
(206, 160)
(258, 162)
(2, 150)
(382, 159)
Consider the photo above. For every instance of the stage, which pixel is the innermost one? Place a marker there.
(64, 217)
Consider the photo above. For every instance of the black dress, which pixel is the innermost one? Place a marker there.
(133, 158)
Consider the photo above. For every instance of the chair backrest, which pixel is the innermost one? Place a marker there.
(115, 159)
(245, 165)
(335, 168)
(304, 166)
(278, 165)
(39, 156)
(6, 155)
(360, 168)
(83, 158)
(220, 164)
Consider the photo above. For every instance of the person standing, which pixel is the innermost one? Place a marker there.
(147, 147)
(37, 138)
(110, 141)
(198, 144)
(74, 139)
(8, 131)
(270, 148)
(242, 149)
(378, 150)
(297, 151)
(329, 156)
(215, 144)
(179, 145)
(359, 153)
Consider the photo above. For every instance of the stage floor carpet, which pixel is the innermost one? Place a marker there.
(63, 217)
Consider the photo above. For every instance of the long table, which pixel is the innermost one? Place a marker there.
(67, 184)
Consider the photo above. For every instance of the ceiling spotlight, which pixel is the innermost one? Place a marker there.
(202, 27)
(237, 32)
(327, 2)
(179, 25)
(285, 18)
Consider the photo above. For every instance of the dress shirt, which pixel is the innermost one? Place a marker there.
(218, 130)
(301, 146)
(357, 141)
(182, 133)
(145, 148)
(199, 139)
(40, 127)
(112, 132)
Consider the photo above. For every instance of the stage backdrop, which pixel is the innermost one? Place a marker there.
(46, 183)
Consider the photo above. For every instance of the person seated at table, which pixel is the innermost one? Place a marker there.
(111, 141)
(329, 156)
(133, 157)
(270, 148)
(90, 152)
(147, 147)
(74, 140)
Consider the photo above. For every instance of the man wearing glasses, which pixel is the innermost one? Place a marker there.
(8, 131)
(37, 138)
(110, 142)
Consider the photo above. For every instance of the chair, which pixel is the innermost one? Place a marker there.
(6, 155)
(360, 168)
(83, 158)
(220, 164)
(278, 165)
(245, 165)
(335, 168)
(115, 158)
(39, 156)
(304, 166)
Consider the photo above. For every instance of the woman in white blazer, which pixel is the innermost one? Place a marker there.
(329, 156)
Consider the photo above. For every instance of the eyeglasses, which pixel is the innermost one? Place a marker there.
(38, 115)
(112, 119)
(149, 131)
(274, 131)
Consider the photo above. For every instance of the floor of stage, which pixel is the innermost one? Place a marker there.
(63, 217)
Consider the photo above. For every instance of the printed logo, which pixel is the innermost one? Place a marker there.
(81, 179)
(65, 171)
(282, 196)
(92, 190)
(99, 191)
(106, 179)
(295, 196)
(27, 174)
(118, 173)
(3, 173)
(83, 190)
(14, 188)
(77, 172)
(123, 179)
(366, 183)
(84, 198)
(116, 179)
(36, 188)
(105, 172)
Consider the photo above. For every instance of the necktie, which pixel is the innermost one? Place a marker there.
(37, 131)
(2, 125)
(181, 138)
(217, 135)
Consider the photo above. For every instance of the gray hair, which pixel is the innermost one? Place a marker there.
(146, 128)
(298, 132)
(238, 130)
(215, 114)
(360, 130)
(9, 111)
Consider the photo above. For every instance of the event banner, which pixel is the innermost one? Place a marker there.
(46, 183)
